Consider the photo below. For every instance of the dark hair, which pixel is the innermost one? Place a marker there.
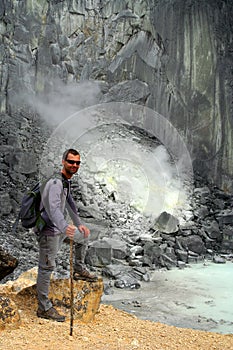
(70, 150)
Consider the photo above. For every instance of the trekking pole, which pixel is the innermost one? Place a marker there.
(71, 288)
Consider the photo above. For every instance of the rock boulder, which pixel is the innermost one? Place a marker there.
(87, 295)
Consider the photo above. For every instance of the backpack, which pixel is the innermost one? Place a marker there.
(30, 207)
(30, 212)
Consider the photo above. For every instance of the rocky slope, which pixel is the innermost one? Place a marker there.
(126, 243)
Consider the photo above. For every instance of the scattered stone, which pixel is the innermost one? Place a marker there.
(219, 260)
(99, 253)
(7, 263)
(127, 281)
(9, 314)
(119, 248)
(5, 204)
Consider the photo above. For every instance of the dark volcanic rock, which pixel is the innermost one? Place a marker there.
(7, 263)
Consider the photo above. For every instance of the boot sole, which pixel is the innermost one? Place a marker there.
(52, 319)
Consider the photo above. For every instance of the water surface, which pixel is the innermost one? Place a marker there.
(199, 297)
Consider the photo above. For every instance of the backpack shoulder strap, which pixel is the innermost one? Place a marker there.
(55, 176)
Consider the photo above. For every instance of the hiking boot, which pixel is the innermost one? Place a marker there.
(84, 275)
(51, 314)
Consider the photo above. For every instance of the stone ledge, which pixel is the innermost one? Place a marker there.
(87, 296)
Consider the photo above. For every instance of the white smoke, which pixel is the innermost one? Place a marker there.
(64, 100)
(149, 178)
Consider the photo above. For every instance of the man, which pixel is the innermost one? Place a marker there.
(56, 198)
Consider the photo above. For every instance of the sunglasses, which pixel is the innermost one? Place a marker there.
(73, 161)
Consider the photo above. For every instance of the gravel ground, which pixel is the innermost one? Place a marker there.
(111, 329)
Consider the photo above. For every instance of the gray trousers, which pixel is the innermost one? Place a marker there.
(48, 249)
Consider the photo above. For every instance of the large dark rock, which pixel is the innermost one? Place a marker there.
(227, 242)
(193, 243)
(166, 223)
(99, 253)
(213, 231)
(153, 252)
(7, 263)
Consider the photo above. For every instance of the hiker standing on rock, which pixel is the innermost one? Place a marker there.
(56, 198)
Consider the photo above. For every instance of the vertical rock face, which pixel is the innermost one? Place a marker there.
(181, 51)
(197, 56)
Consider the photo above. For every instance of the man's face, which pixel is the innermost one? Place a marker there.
(71, 164)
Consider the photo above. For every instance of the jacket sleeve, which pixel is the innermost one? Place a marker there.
(70, 205)
(55, 208)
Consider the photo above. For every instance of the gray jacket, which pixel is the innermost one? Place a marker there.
(56, 198)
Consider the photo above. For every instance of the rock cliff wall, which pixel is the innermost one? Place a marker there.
(181, 50)
(197, 96)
